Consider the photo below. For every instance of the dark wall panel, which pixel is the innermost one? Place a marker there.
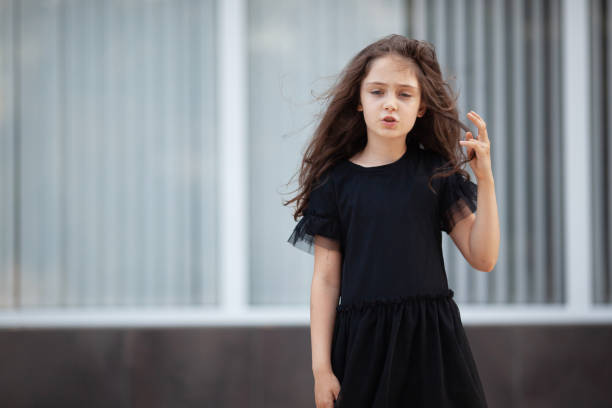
(520, 366)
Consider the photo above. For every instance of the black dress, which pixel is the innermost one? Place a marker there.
(398, 339)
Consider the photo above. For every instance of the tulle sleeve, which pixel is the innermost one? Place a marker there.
(320, 218)
(458, 200)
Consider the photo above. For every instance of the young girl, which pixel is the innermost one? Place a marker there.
(379, 182)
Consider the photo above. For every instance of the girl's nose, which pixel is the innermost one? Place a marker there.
(390, 106)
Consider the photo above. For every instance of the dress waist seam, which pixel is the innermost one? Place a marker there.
(381, 301)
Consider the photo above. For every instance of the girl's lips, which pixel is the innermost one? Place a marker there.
(389, 124)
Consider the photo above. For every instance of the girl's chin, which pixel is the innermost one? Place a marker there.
(387, 129)
(389, 125)
(387, 134)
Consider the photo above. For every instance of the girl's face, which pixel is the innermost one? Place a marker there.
(390, 90)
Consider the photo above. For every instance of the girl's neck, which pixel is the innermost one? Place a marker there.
(379, 153)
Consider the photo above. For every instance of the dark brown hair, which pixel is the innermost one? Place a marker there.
(342, 130)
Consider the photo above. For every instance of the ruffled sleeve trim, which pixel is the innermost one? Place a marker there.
(460, 199)
(313, 224)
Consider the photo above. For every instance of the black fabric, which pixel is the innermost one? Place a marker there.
(458, 200)
(320, 217)
(398, 338)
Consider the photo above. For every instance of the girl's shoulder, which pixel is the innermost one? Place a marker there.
(425, 160)
(328, 179)
(332, 172)
(430, 155)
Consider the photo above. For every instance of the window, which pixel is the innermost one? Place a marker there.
(108, 154)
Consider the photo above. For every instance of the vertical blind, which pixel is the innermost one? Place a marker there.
(503, 58)
(601, 148)
(108, 170)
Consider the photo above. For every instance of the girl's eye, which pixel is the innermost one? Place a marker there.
(380, 92)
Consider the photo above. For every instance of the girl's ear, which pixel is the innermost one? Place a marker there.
(421, 112)
(359, 108)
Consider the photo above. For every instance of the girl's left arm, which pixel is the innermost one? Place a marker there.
(478, 235)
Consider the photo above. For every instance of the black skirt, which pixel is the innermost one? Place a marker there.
(404, 352)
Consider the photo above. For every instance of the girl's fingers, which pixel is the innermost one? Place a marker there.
(480, 123)
(471, 143)
(476, 114)
(471, 116)
(475, 145)
(468, 137)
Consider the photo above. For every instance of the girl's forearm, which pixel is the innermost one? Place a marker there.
(485, 234)
(323, 302)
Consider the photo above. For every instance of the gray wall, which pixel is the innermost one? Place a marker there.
(520, 366)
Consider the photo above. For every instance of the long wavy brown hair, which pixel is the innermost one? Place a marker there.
(342, 131)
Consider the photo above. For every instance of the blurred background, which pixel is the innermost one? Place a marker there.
(146, 147)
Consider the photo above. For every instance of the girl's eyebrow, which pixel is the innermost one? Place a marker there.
(382, 83)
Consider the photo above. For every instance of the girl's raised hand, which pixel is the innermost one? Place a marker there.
(480, 147)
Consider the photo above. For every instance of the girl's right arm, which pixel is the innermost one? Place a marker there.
(325, 291)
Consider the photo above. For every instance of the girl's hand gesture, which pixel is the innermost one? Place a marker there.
(327, 388)
(478, 150)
